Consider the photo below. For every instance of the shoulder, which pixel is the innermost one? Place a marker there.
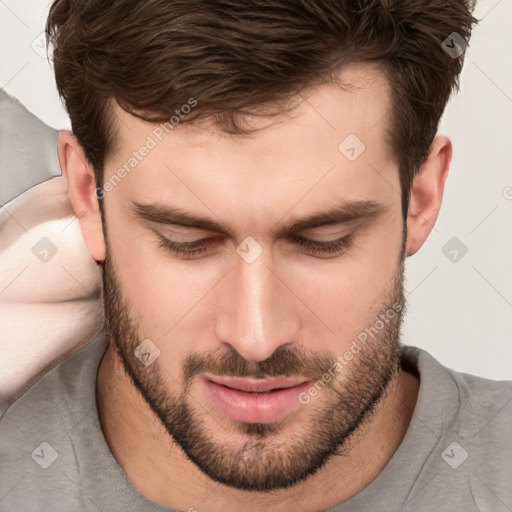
(470, 421)
(478, 393)
(462, 397)
(61, 389)
(51, 407)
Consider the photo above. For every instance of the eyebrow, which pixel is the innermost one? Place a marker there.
(338, 214)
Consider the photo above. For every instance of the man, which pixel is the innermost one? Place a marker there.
(251, 177)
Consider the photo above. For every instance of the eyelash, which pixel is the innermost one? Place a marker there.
(199, 247)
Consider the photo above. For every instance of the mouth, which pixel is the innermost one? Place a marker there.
(254, 400)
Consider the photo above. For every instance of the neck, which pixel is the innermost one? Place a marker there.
(160, 471)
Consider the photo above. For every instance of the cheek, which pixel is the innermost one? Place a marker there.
(159, 291)
(350, 292)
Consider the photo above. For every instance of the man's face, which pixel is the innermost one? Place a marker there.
(264, 306)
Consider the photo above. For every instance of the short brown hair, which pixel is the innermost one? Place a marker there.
(233, 56)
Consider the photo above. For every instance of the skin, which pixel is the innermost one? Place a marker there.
(287, 301)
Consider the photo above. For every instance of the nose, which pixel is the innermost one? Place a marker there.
(258, 312)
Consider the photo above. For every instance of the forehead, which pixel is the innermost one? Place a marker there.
(336, 134)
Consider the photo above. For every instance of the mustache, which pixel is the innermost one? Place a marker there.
(282, 363)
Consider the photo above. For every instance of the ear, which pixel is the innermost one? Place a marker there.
(81, 191)
(427, 193)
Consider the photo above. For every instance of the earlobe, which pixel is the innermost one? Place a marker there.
(427, 194)
(81, 191)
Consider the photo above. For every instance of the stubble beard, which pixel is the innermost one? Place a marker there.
(262, 456)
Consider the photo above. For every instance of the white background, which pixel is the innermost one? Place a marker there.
(460, 312)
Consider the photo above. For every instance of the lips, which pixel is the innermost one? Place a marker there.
(257, 385)
(254, 400)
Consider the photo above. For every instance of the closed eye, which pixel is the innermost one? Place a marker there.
(325, 247)
(192, 249)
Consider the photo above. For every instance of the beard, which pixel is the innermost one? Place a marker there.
(263, 456)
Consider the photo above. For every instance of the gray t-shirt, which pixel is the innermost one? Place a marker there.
(456, 455)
